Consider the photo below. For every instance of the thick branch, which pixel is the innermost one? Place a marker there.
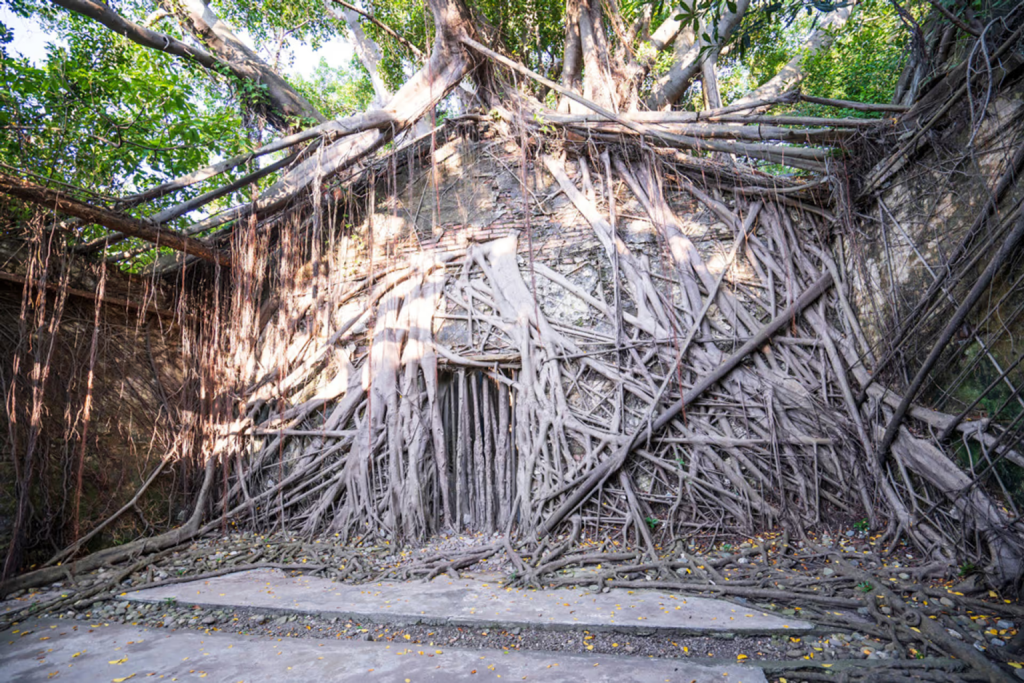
(199, 19)
(285, 99)
(672, 85)
(382, 26)
(112, 220)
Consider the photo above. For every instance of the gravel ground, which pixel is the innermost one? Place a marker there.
(826, 647)
(212, 554)
(254, 622)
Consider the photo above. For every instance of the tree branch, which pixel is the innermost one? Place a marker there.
(112, 220)
(384, 27)
(672, 85)
(793, 72)
(199, 19)
(286, 100)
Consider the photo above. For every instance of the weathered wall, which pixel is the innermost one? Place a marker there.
(905, 235)
(924, 225)
(137, 380)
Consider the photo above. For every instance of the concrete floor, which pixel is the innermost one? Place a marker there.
(468, 602)
(49, 650)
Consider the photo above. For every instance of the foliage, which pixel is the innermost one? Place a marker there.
(865, 60)
(104, 114)
(966, 569)
(336, 92)
(269, 22)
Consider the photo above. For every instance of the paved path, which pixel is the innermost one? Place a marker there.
(26, 601)
(467, 602)
(55, 650)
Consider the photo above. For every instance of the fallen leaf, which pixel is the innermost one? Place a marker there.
(118, 661)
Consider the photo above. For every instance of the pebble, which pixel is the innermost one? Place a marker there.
(1003, 625)
(955, 634)
(904, 576)
(997, 642)
(946, 602)
(210, 620)
(829, 571)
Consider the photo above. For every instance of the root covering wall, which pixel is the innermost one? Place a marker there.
(76, 477)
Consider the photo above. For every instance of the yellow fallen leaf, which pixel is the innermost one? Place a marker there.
(122, 680)
(118, 661)
(826, 665)
(407, 636)
(77, 654)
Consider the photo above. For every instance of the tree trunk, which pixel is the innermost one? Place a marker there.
(688, 62)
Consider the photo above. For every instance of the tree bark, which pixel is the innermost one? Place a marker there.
(285, 102)
(112, 220)
(672, 85)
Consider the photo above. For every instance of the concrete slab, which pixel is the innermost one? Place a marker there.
(49, 650)
(27, 601)
(466, 602)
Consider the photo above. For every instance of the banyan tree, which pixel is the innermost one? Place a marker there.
(559, 278)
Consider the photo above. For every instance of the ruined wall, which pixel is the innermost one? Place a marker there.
(942, 217)
(477, 197)
(137, 381)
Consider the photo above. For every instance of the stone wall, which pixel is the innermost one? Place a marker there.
(903, 240)
(137, 375)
